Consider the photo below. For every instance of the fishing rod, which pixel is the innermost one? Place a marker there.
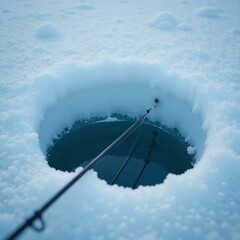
(152, 146)
(37, 215)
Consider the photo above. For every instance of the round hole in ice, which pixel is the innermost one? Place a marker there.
(125, 89)
(150, 152)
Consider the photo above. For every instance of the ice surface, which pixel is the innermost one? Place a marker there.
(98, 66)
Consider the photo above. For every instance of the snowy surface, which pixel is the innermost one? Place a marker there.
(66, 60)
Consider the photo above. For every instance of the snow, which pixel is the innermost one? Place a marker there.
(236, 30)
(191, 150)
(164, 20)
(209, 12)
(48, 32)
(63, 61)
(169, 22)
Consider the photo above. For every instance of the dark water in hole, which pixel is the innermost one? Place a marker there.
(157, 151)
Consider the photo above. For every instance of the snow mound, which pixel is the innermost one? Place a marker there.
(164, 20)
(48, 32)
(209, 12)
(168, 21)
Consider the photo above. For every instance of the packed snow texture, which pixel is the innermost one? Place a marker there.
(63, 61)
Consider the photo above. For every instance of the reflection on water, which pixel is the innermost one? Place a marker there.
(150, 153)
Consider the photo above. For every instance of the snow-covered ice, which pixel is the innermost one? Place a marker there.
(61, 61)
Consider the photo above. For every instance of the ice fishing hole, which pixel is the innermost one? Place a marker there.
(157, 151)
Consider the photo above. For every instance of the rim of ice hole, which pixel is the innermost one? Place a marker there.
(133, 91)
